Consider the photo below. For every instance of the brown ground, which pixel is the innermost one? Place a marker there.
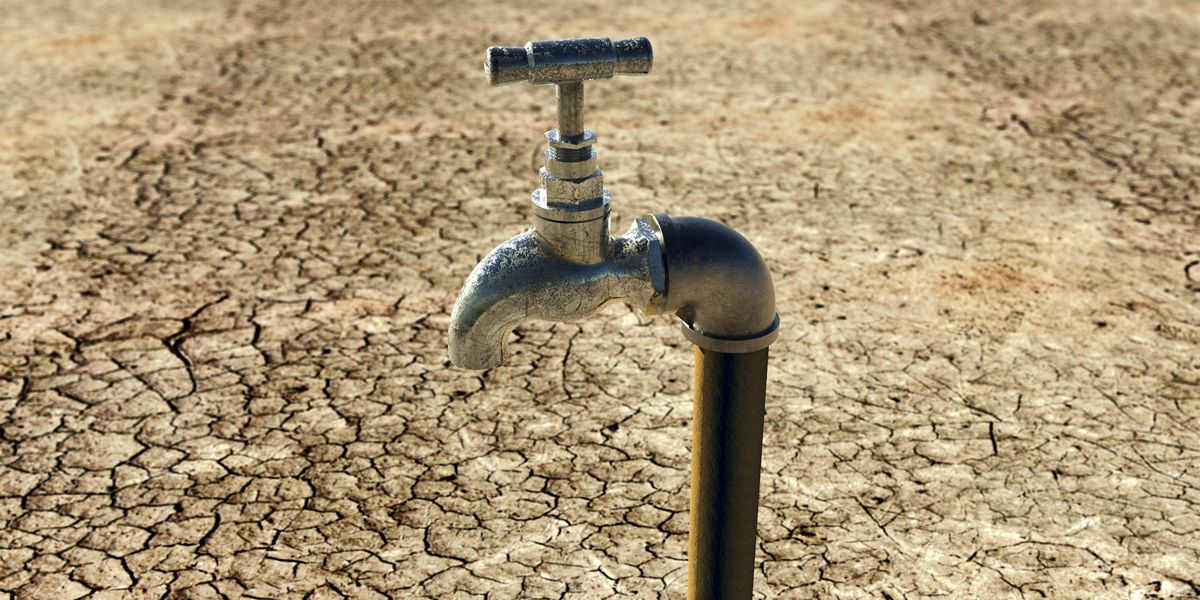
(234, 234)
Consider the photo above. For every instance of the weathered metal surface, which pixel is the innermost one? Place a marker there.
(568, 61)
(524, 279)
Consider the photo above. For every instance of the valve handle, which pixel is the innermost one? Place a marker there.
(570, 177)
(567, 64)
(567, 61)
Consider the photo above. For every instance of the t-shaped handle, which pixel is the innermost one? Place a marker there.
(568, 63)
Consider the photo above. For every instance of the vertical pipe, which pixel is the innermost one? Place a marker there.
(570, 108)
(727, 430)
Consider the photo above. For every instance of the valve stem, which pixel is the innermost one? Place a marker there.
(570, 109)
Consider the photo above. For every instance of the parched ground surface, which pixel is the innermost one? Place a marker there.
(232, 235)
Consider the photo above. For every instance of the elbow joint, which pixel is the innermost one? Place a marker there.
(718, 285)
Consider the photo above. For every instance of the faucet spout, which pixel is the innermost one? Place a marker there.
(525, 279)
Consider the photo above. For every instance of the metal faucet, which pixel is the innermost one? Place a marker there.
(568, 266)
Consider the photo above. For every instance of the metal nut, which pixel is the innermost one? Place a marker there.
(572, 191)
(569, 213)
(557, 140)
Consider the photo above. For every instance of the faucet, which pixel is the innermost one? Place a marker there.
(568, 266)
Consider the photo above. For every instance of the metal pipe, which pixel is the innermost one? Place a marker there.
(727, 430)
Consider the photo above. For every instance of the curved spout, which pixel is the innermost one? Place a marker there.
(524, 279)
(718, 285)
(704, 271)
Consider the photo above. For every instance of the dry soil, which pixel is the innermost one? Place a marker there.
(233, 232)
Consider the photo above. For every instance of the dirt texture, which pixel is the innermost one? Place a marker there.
(232, 234)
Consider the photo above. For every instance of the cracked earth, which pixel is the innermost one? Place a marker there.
(233, 232)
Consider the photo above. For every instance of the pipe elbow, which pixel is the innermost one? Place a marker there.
(718, 285)
(523, 279)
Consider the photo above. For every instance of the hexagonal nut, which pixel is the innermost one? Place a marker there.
(570, 191)
(648, 239)
(554, 139)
